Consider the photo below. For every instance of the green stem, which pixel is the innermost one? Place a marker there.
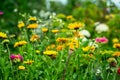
(10, 60)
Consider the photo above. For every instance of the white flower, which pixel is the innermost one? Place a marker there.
(101, 27)
(85, 33)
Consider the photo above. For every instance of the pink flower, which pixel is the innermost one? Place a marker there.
(1, 13)
(16, 58)
(101, 40)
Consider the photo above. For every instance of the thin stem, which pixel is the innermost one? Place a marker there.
(10, 60)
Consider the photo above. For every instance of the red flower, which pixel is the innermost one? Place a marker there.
(118, 70)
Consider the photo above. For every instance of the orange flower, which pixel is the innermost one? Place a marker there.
(62, 40)
(116, 45)
(34, 38)
(59, 47)
(116, 54)
(32, 26)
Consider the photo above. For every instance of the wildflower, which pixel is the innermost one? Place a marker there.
(71, 46)
(116, 45)
(88, 48)
(32, 18)
(21, 24)
(32, 26)
(85, 33)
(21, 67)
(44, 29)
(50, 53)
(20, 43)
(55, 31)
(116, 54)
(115, 40)
(62, 40)
(59, 47)
(69, 17)
(1, 13)
(75, 25)
(16, 58)
(101, 27)
(118, 70)
(34, 38)
(101, 40)
(28, 61)
(3, 35)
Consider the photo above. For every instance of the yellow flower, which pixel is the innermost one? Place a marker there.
(37, 51)
(32, 18)
(116, 45)
(69, 17)
(116, 54)
(3, 35)
(55, 31)
(115, 40)
(50, 53)
(44, 29)
(75, 25)
(20, 43)
(62, 40)
(28, 61)
(71, 46)
(34, 38)
(32, 26)
(21, 24)
(87, 48)
(21, 67)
